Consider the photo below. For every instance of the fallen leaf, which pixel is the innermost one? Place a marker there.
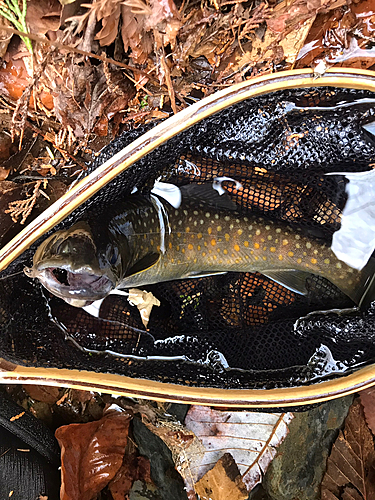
(288, 13)
(109, 15)
(222, 482)
(81, 396)
(368, 402)
(351, 465)
(250, 437)
(134, 36)
(5, 36)
(145, 301)
(42, 393)
(43, 16)
(99, 93)
(134, 468)
(4, 172)
(341, 37)
(92, 453)
(275, 47)
(165, 18)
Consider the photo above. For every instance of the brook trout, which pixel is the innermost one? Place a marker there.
(146, 240)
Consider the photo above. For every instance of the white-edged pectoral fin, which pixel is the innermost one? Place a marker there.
(292, 279)
(202, 274)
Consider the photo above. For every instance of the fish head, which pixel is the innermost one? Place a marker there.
(69, 266)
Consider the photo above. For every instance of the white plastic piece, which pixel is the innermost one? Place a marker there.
(169, 192)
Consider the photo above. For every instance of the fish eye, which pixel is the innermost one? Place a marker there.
(63, 247)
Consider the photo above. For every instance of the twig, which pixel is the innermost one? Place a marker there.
(48, 138)
(165, 69)
(24, 207)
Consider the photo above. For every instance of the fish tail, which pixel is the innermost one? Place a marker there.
(364, 292)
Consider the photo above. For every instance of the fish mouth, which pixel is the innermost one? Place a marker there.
(66, 264)
(76, 288)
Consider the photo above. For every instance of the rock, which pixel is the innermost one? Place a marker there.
(298, 468)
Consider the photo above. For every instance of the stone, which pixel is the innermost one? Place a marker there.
(299, 466)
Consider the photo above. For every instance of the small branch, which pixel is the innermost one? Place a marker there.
(24, 207)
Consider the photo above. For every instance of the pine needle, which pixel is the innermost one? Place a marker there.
(11, 10)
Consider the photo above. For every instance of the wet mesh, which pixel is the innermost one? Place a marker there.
(236, 330)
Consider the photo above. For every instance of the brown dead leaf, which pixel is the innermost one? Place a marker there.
(287, 13)
(134, 36)
(351, 465)
(342, 37)
(134, 468)
(42, 393)
(368, 402)
(109, 15)
(223, 482)
(43, 16)
(282, 41)
(4, 172)
(4, 36)
(90, 96)
(81, 396)
(92, 453)
(165, 18)
(290, 42)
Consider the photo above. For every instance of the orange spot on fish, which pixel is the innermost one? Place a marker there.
(237, 248)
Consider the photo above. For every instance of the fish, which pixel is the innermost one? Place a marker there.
(146, 240)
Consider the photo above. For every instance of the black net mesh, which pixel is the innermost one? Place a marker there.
(236, 330)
